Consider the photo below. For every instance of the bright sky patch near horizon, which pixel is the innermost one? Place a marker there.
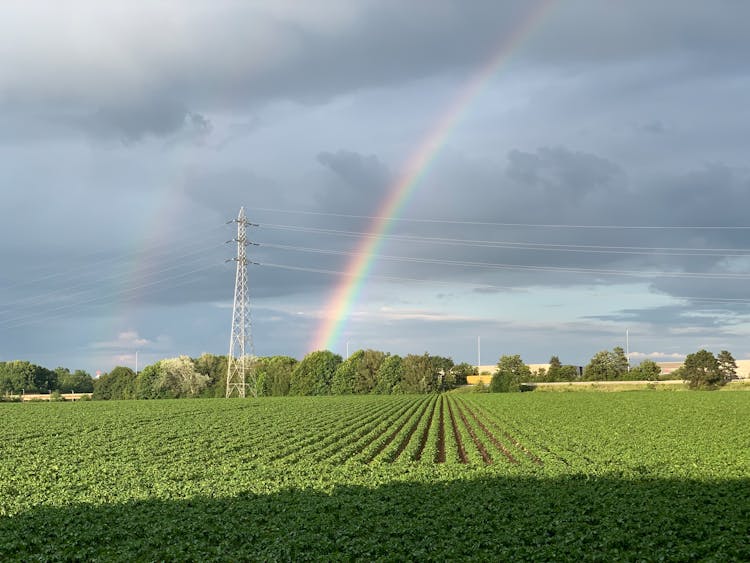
(596, 183)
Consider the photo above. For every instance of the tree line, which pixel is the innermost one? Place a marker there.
(701, 370)
(318, 373)
(365, 371)
(18, 377)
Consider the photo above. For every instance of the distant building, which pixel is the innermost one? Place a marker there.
(669, 367)
(743, 368)
(486, 372)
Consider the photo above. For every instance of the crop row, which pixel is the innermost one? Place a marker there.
(435, 429)
(322, 444)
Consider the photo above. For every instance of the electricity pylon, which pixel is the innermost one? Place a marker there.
(240, 371)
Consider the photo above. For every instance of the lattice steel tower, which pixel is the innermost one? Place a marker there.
(240, 370)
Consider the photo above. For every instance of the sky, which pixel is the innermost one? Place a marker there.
(594, 181)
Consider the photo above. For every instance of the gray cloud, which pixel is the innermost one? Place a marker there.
(225, 189)
(606, 113)
(159, 118)
(715, 319)
(236, 54)
(559, 180)
(360, 182)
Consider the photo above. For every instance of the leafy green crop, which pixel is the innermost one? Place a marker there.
(617, 476)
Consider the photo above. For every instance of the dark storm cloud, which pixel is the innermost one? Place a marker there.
(559, 186)
(558, 179)
(638, 110)
(237, 54)
(131, 122)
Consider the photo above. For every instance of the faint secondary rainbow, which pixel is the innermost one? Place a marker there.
(350, 285)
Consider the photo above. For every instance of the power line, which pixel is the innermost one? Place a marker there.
(77, 289)
(551, 247)
(96, 265)
(500, 224)
(381, 277)
(433, 281)
(43, 316)
(491, 265)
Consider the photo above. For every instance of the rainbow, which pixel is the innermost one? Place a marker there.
(350, 286)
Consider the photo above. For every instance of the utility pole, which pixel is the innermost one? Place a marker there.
(240, 376)
(479, 351)
(627, 346)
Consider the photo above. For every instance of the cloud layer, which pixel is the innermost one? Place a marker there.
(598, 181)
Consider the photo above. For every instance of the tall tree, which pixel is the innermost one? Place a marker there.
(120, 383)
(568, 372)
(345, 376)
(147, 384)
(606, 365)
(420, 374)
(215, 367)
(358, 373)
(276, 372)
(180, 378)
(622, 364)
(553, 373)
(461, 371)
(79, 381)
(389, 376)
(314, 374)
(727, 366)
(367, 370)
(510, 373)
(647, 370)
(443, 366)
(17, 376)
(701, 370)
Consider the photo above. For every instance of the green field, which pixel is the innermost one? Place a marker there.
(616, 476)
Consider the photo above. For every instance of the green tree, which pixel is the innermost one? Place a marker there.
(559, 372)
(345, 376)
(420, 374)
(389, 376)
(277, 374)
(147, 383)
(179, 377)
(215, 367)
(461, 371)
(79, 381)
(553, 373)
(727, 366)
(367, 370)
(622, 364)
(358, 374)
(17, 376)
(120, 383)
(568, 373)
(606, 365)
(511, 371)
(647, 370)
(702, 370)
(314, 374)
(539, 374)
(443, 367)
